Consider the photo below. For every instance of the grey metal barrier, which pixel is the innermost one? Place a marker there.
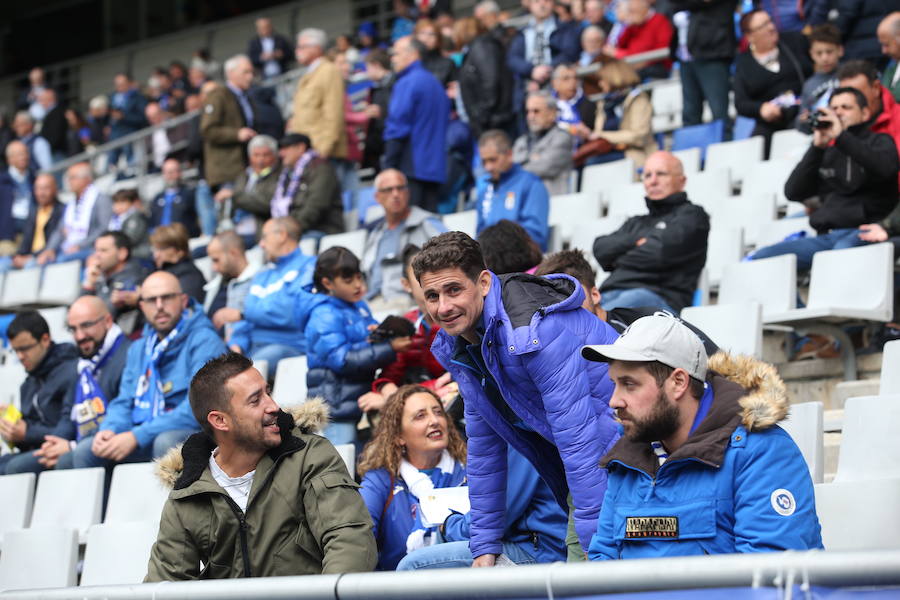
(774, 570)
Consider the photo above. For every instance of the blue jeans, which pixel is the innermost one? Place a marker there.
(708, 80)
(206, 208)
(452, 555)
(634, 298)
(346, 174)
(82, 457)
(23, 462)
(272, 353)
(805, 248)
(340, 432)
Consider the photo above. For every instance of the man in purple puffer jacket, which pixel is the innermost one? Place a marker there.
(512, 343)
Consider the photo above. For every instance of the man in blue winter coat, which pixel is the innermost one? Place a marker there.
(270, 327)
(416, 127)
(151, 412)
(511, 343)
(507, 191)
(703, 467)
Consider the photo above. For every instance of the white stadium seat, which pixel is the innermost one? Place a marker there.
(40, 557)
(736, 156)
(771, 281)
(626, 200)
(859, 515)
(348, 454)
(354, 241)
(690, 160)
(118, 553)
(805, 424)
(596, 178)
(869, 441)
(776, 231)
(890, 369)
(736, 328)
(61, 283)
(789, 144)
(290, 382)
(21, 287)
(69, 498)
(17, 492)
(465, 221)
(725, 246)
(135, 494)
(768, 176)
(566, 210)
(709, 188)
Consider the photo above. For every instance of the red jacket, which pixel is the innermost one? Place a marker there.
(418, 355)
(653, 34)
(888, 120)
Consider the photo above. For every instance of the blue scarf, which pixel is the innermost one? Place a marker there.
(150, 399)
(90, 404)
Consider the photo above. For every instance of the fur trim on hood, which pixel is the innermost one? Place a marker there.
(310, 417)
(766, 402)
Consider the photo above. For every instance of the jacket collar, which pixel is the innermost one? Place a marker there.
(665, 205)
(416, 64)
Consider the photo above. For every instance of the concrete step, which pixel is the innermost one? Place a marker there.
(853, 389)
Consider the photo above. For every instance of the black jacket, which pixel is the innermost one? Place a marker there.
(669, 262)
(858, 20)
(855, 179)
(44, 394)
(486, 85)
(52, 223)
(184, 210)
(254, 50)
(189, 276)
(380, 96)
(440, 66)
(711, 28)
(54, 128)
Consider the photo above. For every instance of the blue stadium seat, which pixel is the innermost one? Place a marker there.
(698, 136)
(743, 128)
(365, 197)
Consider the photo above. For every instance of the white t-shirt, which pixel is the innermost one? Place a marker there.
(237, 487)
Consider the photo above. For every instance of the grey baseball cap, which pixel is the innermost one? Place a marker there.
(659, 337)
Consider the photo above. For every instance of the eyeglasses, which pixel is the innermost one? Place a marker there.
(83, 326)
(164, 298)
(24, 349)
(393, 188)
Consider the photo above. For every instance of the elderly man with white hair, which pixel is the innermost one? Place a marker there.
(84, 219)
(319, 99)
(251, 195)
(227, 123)
(38, 147)
(546, 150)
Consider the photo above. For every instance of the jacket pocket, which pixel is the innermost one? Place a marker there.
(690, 520)
(214, 570)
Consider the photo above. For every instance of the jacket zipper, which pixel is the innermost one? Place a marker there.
(242, 519)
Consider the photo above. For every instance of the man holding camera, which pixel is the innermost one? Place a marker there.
(851, 170)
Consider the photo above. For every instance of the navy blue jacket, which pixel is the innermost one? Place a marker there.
(52, 223)
(184, 210)
(44, 394)
(416, 127)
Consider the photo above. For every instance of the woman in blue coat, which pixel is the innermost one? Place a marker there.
(341, 359)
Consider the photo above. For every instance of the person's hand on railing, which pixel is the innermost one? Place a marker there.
(46, 256)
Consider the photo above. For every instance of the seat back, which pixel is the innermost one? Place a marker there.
(768, 176)
(771, 281)
(848, 526)
(805, 424)
(736, 156)
(135, 494)
(743, 128)
(12, 375)
(789, 144)
(263, 367)
(690, 160)
(857, 279)
(750, 212)
(354, 241)
(567, 209)
(465, 221)
(725, 246)
(709, 188)
(348, 455)
(69, 498)
(118, 553)
(596, 178)
(61, 283)
(17, 492)
(21, 287)
(776, 231)
(869, 441)
(56, 321)
(40, 557)
(667, 100)
(626, 200)
(890, 369)
(290, 382)
(698, 136)
(736, 328)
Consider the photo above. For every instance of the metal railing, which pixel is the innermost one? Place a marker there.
(771, 570)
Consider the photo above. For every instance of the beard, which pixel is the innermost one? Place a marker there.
(253, 438)
(660, 424)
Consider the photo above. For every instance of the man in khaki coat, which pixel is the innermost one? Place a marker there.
(319, 99)
(227, 123)
(256, 494)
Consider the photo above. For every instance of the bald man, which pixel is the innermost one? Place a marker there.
(889, 38)
(225, 293)
(655, 259)
(102, 350)
(151, 412)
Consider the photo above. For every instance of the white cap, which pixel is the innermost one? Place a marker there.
(659, 337)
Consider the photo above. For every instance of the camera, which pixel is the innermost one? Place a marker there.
(817, 120)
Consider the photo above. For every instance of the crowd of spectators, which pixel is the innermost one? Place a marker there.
(525, 348)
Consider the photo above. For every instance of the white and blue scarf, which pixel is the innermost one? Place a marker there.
(90, 402)
(150, 399)
(420, 485)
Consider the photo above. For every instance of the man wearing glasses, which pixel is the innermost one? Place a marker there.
(654, 260)
(51, 375)
(150, 413)
(401, 225)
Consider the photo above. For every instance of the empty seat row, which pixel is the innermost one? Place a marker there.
(52, 285)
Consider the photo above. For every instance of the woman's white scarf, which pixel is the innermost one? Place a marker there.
(420, 485)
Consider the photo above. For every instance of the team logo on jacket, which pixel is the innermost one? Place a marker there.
(783, 502)
(510, 201)
(651, 527)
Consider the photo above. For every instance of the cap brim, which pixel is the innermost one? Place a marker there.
(608, 352)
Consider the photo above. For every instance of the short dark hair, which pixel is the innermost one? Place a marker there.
(335, 262)
(30, 321)
(661, 372)
(208, 391)
(129, 194)
(860, 97)
(497, 137)
(826, 33)
(119, 239)
(174, 235)
(409, 253)
(450, 250)
(507, 248)
(569, 262)
(744, 23)
(852, 68)
(379, 57)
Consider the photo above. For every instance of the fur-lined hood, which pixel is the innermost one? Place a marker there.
(309, 417)
(766, 402)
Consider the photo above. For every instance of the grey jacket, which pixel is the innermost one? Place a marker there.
(238, 288)
(548, 155)
(100, 216)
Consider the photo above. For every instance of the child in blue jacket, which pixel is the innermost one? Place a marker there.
(341, 359)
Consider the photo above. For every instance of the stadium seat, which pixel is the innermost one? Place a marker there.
(263, 367)
(149, 186)
(690, 160)
(626, 200)
(736, 328)
(776, 231)
(465, 221)
(348, 454)
(725, 246)
(308, 246)
(768, 176)
(805, 424)
(743, 128)
(20, 288)
(204, 264)
(17, 492)
(666, 99)
(771, 281)
(752, 212)
(118, 553)
(56, 321)
(351, 220)
(255, 255)
(596, 178)
(789, 144)
(60, 283)
(135, 494)
(290, 382)
(890, 368)
(12, 375)
(69, 498)
(354, 241)
(735, 156)
(373, 213)
(365, 199)
(568, 209)
(199, 242)
(709, 188)
(869, 441)
(584, 232)
(698, 136)
(41, 557)
(859, 515)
